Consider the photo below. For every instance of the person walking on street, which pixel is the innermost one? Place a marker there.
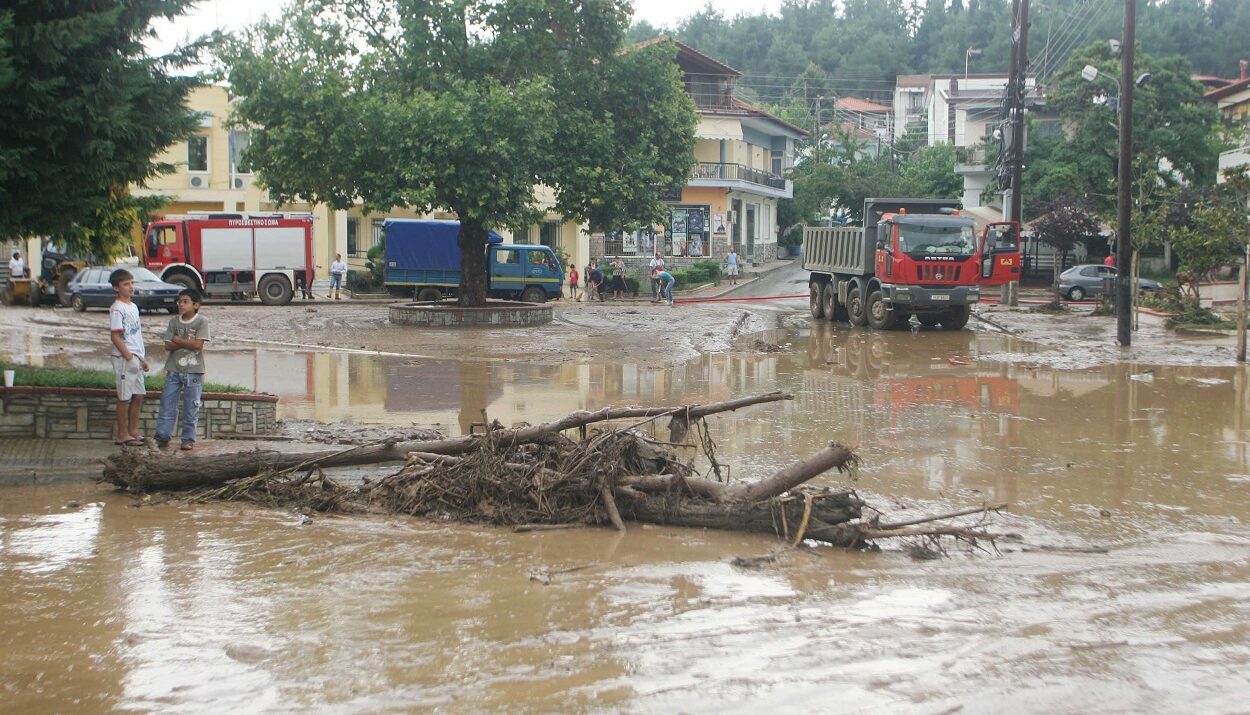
(573, 278)
(656, 263)
(665, 281)
(184, 371)
(731, 266)
(338, 271)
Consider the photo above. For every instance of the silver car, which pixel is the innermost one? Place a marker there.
(1084, 280)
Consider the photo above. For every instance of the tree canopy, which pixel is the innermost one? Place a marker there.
(465, 105)
(85, 111)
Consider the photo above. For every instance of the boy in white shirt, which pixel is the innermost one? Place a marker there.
(129, 358)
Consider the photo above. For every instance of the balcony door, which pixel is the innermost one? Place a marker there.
(750, 221)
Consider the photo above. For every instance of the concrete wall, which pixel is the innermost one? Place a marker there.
(81, 413)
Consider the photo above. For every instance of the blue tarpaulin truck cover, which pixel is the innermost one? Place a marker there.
(425, 244)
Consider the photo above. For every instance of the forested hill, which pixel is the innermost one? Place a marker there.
(862, 45)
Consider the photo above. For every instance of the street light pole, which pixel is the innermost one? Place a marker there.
(968, 54)
(1124, 239)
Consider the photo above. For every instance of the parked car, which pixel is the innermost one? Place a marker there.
(1084, 280)
(91, 289)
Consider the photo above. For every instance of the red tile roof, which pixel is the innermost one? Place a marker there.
(855, 104)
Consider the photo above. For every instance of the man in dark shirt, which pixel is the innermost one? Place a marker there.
(595, 286)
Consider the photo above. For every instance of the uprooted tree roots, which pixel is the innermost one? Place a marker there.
(534, 477)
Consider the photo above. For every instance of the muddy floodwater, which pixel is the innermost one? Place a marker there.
(108, 605)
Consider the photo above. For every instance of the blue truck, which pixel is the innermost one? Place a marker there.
(423, 260)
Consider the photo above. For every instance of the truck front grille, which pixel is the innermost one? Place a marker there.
(944, 273)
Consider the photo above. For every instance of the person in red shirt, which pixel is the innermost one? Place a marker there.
(573, 277)
(1109, 261)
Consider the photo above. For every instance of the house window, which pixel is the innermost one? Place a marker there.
(240, 140)
(778, 156)
(353, 238)
(197, 153)
(549, 235)
(377, 235)
(521, 234)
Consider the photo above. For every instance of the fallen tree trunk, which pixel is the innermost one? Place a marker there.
(140, 471)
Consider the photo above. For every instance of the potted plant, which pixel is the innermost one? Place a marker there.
(792, 241)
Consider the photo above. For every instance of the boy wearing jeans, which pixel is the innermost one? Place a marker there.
(129, 358)
(184, 370)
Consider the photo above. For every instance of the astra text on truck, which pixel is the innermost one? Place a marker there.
(238, 255)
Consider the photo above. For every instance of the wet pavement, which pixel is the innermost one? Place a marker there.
(113, 605)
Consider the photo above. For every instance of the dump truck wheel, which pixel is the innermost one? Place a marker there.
(856, 312)
(829, 299)
(956, 318)
(815, 299)
(429, 295)
(879, 316)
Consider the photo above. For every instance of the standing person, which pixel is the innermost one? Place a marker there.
(338, 270)
(301, 282)
(731, 266)
(17, 269)
(1109, 261)
(129, 358)
(594, 283)
(184, 370)
(618, 279)
(666, 281)
(656, 263)
(573, 277)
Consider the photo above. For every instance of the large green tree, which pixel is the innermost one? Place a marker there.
(84, 111)
(1174, 130)
(465, 105)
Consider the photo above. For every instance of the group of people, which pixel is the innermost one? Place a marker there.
(185, 336)
(598, 285)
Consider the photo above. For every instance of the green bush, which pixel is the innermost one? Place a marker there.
(632, 285)
(102, 379)
(363, 282)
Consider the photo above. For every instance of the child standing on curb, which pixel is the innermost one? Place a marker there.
(184, 370)
(129, 358)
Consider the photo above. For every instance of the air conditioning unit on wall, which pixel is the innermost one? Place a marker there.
(239, 182)
(198, 182)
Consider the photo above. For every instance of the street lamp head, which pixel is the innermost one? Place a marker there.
(1143, 79)
(1089, 73)
(973, 52)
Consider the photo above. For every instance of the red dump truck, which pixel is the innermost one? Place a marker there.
(233, 254)
(911, 257)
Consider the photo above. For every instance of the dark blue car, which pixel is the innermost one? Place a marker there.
(91, 289)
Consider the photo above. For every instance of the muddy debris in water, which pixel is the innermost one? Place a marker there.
(344, 433)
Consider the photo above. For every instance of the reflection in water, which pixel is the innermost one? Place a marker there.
(213, 606)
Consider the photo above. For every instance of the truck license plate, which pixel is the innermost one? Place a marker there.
(941, 297)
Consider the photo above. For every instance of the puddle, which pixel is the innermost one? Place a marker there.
(109, 607)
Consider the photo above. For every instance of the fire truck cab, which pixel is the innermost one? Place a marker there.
(233, 254)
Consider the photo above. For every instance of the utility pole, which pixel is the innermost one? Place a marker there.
(1016, 90)
(1124, 196)
(818, 140)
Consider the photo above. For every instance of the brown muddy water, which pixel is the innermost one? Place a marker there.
(106, 606)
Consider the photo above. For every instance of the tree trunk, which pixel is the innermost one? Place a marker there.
(142, 471)
(474, 273)
(781, 517)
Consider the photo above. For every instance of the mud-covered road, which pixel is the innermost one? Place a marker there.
(1127, 476)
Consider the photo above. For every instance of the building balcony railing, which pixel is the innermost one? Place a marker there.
(737, 172)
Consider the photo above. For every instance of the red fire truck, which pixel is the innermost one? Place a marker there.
(233, 254)
(911, 257)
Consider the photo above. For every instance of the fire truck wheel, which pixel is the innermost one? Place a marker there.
(879, 316)
(182, 279)
(855, 310)
(815, 298)
(829, 300)
(956, 318)
(275, 290)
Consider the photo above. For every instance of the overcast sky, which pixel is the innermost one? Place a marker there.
(228, 15)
